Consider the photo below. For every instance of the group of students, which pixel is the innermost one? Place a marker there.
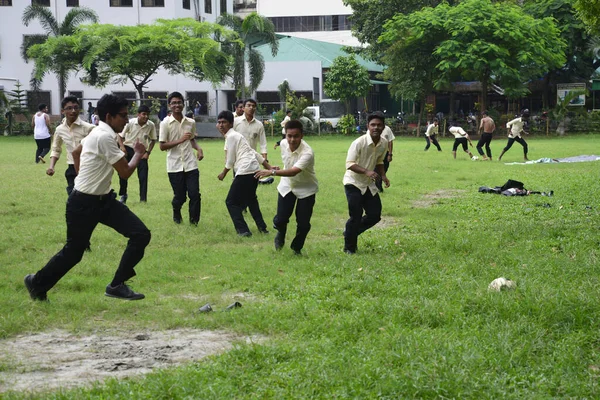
(486, 128)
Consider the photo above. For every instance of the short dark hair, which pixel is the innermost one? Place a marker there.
(42, 106)
(68, 99)
(376, 115)
(226, 114)
(288, 112)
(143, 108)
(237, 103)
(174, 94)
(250, 101)
(484, 112)
(436, 120)
(294, 124)
(110, 104)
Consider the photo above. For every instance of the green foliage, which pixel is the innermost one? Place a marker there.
(589, 12)
(60, 62)
(346, 125)
(251, 30)
(112, 54)
(346, 79)
(284, 89)
(297, 105)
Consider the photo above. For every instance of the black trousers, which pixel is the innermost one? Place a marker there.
(84, 213)
(519, 140)
(142, 173)
(304, 209)
(242, 194)
(460, 141)
(186, 182)
(358, 223)
(432, 139)
(70, 175)
(43, 148)
(485, 139)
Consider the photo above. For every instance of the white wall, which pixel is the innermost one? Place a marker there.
(290, 8)
(12, 31)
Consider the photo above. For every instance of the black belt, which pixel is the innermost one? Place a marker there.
(101, 197)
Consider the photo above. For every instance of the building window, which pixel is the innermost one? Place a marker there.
(34, 99)
(72, 3)
(153, 3)
(76, 93)
(197, 97)
(45, 3)
(208, 6)
(5, 3)
(311, 23)
(121, 3)
(186, 4)
(223, 9)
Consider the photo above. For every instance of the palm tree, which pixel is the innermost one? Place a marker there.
(75, 17)
(252, 30)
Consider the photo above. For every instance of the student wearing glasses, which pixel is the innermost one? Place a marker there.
(70, 133)
(177, 135)
(92, 201)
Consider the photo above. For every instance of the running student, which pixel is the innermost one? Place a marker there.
(430, 135)
(460, 139)
(40, 123)
(488, 127)
(516, 127)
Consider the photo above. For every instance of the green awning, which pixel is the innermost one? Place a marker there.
(596, 84)
(374, 82)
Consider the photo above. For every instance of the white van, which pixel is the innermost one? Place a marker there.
(327, 111)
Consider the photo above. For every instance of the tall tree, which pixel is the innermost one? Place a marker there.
(62, 64)
(346, 79)
(589, 12)
(252, 30)
(116, 54)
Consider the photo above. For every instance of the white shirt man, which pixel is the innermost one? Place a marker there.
(252, 129)
(430, 135)
(460, 138)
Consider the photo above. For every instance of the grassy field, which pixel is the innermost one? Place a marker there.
(409, 316)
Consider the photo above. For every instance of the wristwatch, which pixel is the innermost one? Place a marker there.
(273, 172)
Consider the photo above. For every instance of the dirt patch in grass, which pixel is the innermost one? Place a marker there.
(59, 359)
(433, 198)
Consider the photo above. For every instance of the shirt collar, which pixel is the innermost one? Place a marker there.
(106, 127)
(76, 122)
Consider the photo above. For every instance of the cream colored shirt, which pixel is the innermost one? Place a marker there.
(253, 131)
(458, 132)
(100, 151)
(285, 121)
(364, 152)
(516, 127)
(305, 183)
(133, 132)
(388, 134)
(71, 136)
(181, 157)
(431, 130)
(240, 156)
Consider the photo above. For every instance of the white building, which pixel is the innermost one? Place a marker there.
(118, 12)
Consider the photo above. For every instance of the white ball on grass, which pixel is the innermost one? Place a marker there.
(502, 283)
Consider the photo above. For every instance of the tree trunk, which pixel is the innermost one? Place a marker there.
(452, 100)
(484, 89)
(422, 109)
(62, 83)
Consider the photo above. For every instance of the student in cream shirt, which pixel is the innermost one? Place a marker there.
(516, 127)
(460, 139)
(246, 162)
(364, 167)
(252, 129)
(297, 188)
(430, 135)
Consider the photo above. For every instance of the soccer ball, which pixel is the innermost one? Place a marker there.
(499, 284)
(474, 158)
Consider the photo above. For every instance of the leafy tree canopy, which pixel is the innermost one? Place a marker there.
(589, 12)
(114, 54)
(346, 79)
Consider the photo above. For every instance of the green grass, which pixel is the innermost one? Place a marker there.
(408, 317)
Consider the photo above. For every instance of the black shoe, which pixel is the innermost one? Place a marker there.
(245, 234)
(263, 230)
(123, 199)
(34, 294)
(279, 241)
(123, 291)
(177, 216)
(297, 252)
(193, 223)
(348, 251)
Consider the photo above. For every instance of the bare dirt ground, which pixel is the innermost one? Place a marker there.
(61, 359)
(432, 198)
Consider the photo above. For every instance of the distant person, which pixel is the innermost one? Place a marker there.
(364, 167)
(139, 129)
(486, 130)
(70, 133)
(461, 138)
(177, 136)
(430, 135)
(42, 132)
(95, 119)
(516, 127)
(388, 135)
(197, 109)
(288, 116)
(246, 162)
(252, 129)
(162, 113)
(239, 108)
(90, 111)
(92, 202)
(297, 188)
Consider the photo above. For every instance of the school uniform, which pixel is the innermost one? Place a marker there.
(297, 192)
(71, 137)
(145, 134)
(361, 191)
(430, 134)
(514, 135)
(182, 166)
(460, 138)
(253, 131)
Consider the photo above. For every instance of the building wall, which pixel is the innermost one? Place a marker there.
(12, 66)
(288, 8)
